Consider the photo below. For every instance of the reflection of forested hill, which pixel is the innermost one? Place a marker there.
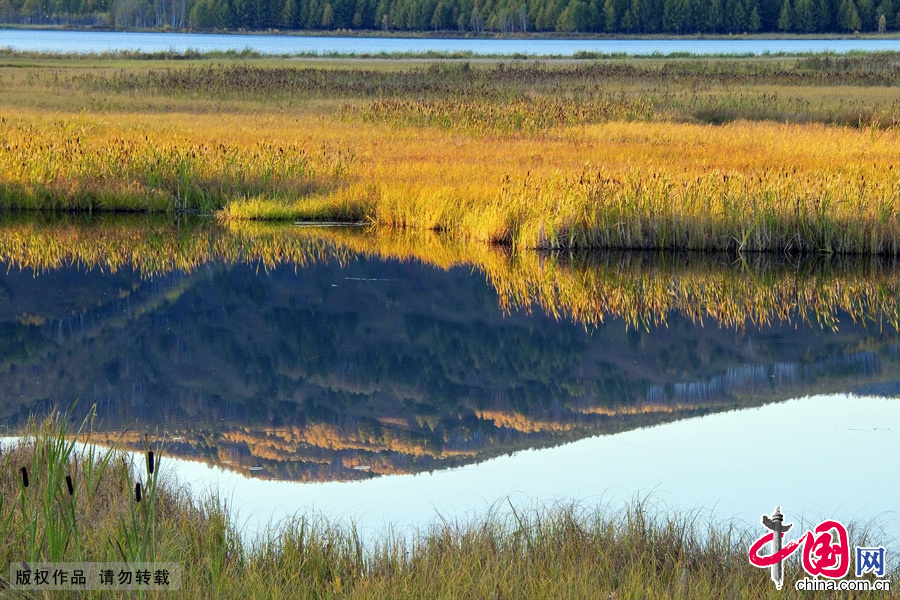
(333, 371)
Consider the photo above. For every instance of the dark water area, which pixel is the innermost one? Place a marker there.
(365, 367)
(98, 42)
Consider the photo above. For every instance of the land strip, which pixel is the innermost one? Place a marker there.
(788, 154)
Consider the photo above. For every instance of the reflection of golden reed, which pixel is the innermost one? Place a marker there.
(636, 287)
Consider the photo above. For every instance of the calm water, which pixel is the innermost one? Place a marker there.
(340, 376)
(82, 41)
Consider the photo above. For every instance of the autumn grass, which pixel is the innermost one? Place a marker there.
(61, 167)
(773, 154)
(640, 550)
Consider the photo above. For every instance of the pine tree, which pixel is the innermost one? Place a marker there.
(440, 20)
(804, 16)
(289, 15)
(627, 23)
(784, 19)
(854, 22)
(637, 15)
(714, 16)
(674, 16)
(31, 8)
(736, 16)
(850, 16)
(754, 24)
(824, 17)
(609, 15)
(867, 17)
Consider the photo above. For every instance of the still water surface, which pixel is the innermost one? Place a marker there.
(91, 41)
(391, 380)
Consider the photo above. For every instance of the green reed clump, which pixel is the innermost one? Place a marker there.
(51, 494)
(526, 115)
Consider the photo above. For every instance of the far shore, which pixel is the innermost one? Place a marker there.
(454, 34)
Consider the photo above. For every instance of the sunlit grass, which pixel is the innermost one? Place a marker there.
(724, 155)
(66, 165)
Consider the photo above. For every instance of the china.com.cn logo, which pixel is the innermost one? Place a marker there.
(826, 553)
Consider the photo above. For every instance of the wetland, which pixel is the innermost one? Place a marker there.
(557, 306)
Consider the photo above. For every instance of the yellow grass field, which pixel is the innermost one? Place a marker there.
(594, 175)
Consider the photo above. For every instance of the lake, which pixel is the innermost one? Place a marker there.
(393, 381)
(96, 42)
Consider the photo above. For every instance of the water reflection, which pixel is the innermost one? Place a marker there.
(329, 355)
(720, 464)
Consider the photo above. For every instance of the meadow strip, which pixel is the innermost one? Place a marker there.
(591, 155)
(59, 167)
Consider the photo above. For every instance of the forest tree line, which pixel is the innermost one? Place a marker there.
(478, 16)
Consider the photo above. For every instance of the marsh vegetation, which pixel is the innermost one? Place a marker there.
(783, 154)
(794, 155)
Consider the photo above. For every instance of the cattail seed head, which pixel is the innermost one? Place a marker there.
(150, 462)
(70, 485)
(137, 492)
(24, 476)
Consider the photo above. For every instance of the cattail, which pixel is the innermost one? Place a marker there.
(150, 462)
(70, 485)
(137, 492)
(24, 476)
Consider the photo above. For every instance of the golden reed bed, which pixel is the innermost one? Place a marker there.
(773, 156)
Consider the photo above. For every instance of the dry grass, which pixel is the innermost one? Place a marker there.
(528, 157)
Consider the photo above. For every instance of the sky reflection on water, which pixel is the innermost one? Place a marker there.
(832, 455)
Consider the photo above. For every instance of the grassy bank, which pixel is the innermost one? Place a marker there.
(559, 552)
(774, 154)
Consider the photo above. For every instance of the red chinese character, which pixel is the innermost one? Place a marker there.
(823, 557)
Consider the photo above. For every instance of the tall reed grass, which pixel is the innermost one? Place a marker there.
(61, 166)
(597, 155)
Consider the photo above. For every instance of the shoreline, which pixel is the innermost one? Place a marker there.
(466, 35)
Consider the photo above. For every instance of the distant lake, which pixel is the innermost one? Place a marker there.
(90, 41)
